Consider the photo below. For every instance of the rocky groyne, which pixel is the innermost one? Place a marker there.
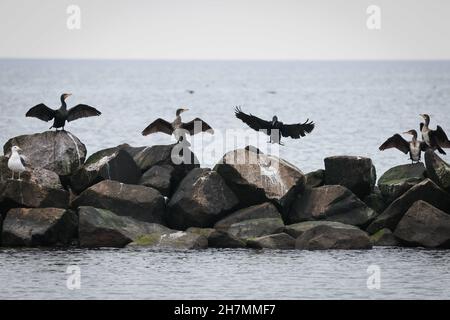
(138, 196)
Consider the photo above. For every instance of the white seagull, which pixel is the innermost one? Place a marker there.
(16, 162)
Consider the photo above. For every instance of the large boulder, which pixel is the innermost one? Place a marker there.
(438, 170)
(103, 228)
(218, 239)
(273, 241)
(109, 164)
(57, 151)
(327, 237)
(201, 199)
(260, 211)
(256, 178)
(332, 203)
(355, 173)
(427, 191)
(424, 225)
(39, 227)
(297, 229)
(139, 202)
(159, 178)
(396, 181)
(384, 238)
(315, 179)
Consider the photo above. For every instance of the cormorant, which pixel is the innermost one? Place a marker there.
(61, 115)
(435, 139)
(286, 130)
(413, 147)
(178, 128)
(16, 162)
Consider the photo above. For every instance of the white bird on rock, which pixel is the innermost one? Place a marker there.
(16, 162)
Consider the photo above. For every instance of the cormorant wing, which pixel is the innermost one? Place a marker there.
(42, 112)
(82, 111)
(297, 130)
(423, 146)
(253, 122)
(396, 141)
(190, 126)
(159, 125)
(440, 137)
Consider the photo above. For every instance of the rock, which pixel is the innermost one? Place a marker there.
(297, 229)
(256, 178)
(384, 238)
(40, 188)
(60, 152)
(218, 239)
(260, 211)
(332, 203)
(103, 228)
(39, 227)
(376, 201)
(327, 237)
(201, 199)
(109, 164)
(315, 179)
(424, 225)
(159, 178)
(273, 241)
(139, 202)
(438, 170)
(355, 173)
(176, 240)
(427, 191)
(396, 181)
(255, 228)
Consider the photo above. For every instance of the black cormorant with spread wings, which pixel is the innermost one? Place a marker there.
(61, 115)
(275, 129)
(435, 139)
(178, 128)
(413, 147)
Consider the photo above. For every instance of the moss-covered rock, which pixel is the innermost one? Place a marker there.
(384, 238)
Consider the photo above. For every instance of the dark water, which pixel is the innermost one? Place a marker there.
(355, 105)
(225, 274)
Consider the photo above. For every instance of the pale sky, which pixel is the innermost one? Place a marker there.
(225, 29)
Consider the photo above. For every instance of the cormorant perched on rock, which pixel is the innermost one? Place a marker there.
(16, 162)
(286, 130)
(61, 115)
(178, 128)
(413, 147)
(435, 139)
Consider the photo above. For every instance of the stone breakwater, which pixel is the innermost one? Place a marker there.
(137, 196)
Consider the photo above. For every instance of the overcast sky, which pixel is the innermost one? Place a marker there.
(225, 29)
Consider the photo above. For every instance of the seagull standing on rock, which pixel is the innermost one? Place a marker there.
(16, 162)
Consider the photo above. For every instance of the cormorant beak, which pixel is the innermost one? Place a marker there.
(184, 110)
(422, 115)
(407, 132)
(67, 95)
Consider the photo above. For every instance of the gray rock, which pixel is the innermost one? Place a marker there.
(109, 164)
(256, 228)
(218, 239)
(438, 170)
(376, 201)
(175, 240)
(273, 241)
(159, 178)
(139, 202)
(355, 173)
(424, 225)
(60, 152)
(396, 181)
(315, 179)
(297, 229)
(24, 227)
(427, 191)
(332, 203)
(384, 238)
(327, 237)
(256, 178)
(103, 228)
(201, 199)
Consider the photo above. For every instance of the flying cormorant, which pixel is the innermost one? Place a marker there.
(16, 162)
(413, 147)
(286, 130)
(61, 115)
(435, 139)
(178, 128)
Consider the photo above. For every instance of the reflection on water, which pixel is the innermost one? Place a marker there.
(225, 274)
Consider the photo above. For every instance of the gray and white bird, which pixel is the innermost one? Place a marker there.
(414, 147)
(16, 162)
